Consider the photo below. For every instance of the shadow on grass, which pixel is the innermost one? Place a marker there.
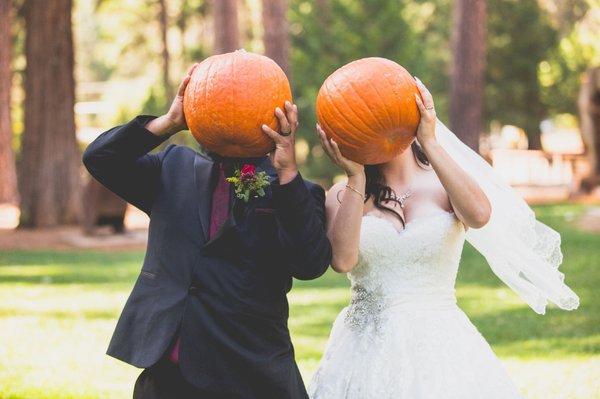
(521, 332)
(62, 314)
(69, 267)
(67, 258)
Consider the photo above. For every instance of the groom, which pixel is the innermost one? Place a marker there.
(207, 317)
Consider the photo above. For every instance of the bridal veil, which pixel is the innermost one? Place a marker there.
(523, 252)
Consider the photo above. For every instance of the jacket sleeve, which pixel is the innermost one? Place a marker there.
(119, 160)
(300, 216)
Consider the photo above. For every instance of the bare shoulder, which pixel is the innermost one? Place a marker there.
(429, 188)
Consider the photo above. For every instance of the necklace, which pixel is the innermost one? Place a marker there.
(402, 199)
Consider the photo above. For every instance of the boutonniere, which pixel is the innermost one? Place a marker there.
(248, 182)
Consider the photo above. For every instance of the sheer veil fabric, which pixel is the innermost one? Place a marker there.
(523, 252)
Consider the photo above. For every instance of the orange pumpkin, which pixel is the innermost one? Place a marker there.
(229, 97)
(368, 107)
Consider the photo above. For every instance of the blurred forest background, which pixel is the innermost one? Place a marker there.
(71, 69)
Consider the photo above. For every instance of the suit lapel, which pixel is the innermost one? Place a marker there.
(238, 209)
(203, 172)
(227, 225)
(265, 166)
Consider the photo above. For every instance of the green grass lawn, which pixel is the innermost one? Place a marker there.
(58, 310)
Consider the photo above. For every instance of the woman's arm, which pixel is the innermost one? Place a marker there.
(344, 217)
(470, 203)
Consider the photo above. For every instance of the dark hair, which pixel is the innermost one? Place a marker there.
(377, 188)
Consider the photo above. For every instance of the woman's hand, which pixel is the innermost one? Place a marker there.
(284, 156)
(426, 129)
(333, 152)
(174, 120)
(344, 207)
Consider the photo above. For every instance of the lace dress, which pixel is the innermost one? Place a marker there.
(403, 336)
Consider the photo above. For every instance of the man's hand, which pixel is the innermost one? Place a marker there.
(284, 155)
(174, 120)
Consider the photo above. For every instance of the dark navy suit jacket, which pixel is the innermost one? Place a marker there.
(226, 298)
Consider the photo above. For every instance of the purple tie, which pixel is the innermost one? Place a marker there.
(218, 214)
(220, 203)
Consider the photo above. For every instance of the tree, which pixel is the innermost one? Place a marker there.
(226, 26)
(468, 70)
(520, 37)
(276, 32)
(325, 36)
(50, 164)
(565, 13)
(589, 115)
(8, 176)
(577, 48)
(163, 17)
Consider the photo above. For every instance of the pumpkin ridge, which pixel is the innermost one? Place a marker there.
(232, 88)
(416, 91)
(341, 139)
(358, 95)
(348, 122)
(393, 84)
(203, 112)
(333, 109)
(268, 114)
(380, 98)
(364, 131)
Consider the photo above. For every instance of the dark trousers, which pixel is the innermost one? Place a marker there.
(165, 381)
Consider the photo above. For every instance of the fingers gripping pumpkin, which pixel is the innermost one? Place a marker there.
(368, 107)
(229, 97)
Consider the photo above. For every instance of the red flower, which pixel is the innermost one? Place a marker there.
(248, 170)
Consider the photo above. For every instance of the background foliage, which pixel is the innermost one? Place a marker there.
(537, 51)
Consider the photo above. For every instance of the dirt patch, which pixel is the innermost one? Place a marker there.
(69, 238)
(590, 221)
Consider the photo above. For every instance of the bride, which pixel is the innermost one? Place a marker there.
(398, 230)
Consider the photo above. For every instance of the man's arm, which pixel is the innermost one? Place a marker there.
(300, 214)
(119, 160)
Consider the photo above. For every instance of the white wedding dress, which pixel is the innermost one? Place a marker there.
(403, 336)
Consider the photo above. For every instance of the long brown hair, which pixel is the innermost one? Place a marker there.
(381, 193)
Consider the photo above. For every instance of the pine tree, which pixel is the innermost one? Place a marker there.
(49, 171)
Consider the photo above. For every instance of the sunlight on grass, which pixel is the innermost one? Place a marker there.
(58, 311)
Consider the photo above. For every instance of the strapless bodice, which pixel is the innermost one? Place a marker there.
(403, 336)
(412, 268)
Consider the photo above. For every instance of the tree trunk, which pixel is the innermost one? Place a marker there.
(276, 33)
(226, 26)
(50, 164)
(164, 29)
(589, 114)
(8, 175)
(468, 68)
